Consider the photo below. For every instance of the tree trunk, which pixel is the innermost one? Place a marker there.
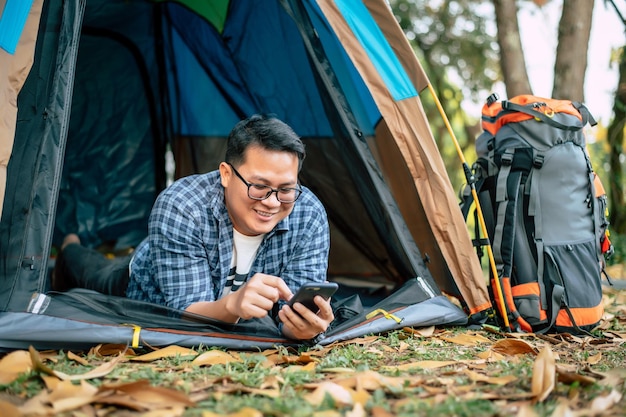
(571, 52)
(615, 137)
(512, 59)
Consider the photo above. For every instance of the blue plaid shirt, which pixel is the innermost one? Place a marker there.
(187, 254)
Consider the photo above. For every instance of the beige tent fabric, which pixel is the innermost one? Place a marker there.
(13, 72)
(407, 123)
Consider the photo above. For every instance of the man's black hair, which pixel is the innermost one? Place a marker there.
(266, 131)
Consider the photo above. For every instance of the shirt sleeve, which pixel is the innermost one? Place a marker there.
(179, 258)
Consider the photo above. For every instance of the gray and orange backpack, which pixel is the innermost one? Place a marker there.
(545, 212)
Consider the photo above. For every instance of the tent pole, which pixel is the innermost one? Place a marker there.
(471, 181)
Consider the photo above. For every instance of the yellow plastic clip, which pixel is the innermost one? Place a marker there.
(384, 313)
(136, 332)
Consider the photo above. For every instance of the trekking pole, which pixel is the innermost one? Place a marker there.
(469, 177)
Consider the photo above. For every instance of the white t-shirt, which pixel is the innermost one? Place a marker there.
(244, 252)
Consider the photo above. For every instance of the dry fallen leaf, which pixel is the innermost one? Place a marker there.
(512, 347)
(499, 380)
(111, 349)
(214, 357)
(244, 412)
(357, 411)
(9, 410)
(568, 377)
(76, 358)
(97, 372)
(595, 359)
(544, 374)
(338, 393)
(13, 365)
(466, 339)
(419, 364)
(422, 331)
(68, 396)
(140, 395)
(166, 352)
(605, 402)
(370, 381)
(378, 411)
(526, 411)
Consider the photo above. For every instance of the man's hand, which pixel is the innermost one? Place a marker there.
(253, 300)
(301, 323)
(257, 296)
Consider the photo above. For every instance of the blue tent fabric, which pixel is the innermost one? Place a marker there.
(377, 48)
(12, 23)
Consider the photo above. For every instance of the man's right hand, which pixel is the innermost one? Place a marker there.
(253, 300)
(257, 296)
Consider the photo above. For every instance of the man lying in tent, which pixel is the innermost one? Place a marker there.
(228, 244)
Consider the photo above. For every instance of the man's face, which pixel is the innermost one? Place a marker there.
(261, 166)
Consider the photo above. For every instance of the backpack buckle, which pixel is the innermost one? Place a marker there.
(538, 161)
(507, 158)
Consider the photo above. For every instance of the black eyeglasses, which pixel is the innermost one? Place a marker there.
(262, 191)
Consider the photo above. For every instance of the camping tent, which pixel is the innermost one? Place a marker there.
(118, 86)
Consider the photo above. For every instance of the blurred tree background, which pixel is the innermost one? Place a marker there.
(467, 47)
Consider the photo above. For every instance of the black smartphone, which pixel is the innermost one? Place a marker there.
(308, 291)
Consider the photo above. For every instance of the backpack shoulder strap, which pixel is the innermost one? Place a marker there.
(509, 105)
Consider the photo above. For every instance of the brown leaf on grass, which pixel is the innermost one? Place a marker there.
(512, 347)
(338, 393)
(304, 358)
(605, 402)
(166, 352)
(495, 380)
(378, 411)
(338, 370)
(143, 395)
(612, 377)
(272, 382)
(214, 357)
(111, 349)
(309, 367)
(466, 339)
(244, 412)
(423, 331)
(526, 411)
(569, 378)
(370, 381)
(68, 396)
(74, 357)
(491, 355)
(169, 412)
(419, 364)
(97, 372)
(361, 396)
(544, 374)
(13, 365)
(357, 411)
(64, 397)
(595, 359)
(9, 410)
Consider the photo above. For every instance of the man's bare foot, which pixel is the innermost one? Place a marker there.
(71, 238)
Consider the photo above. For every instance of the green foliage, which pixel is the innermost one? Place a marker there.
(455, 35)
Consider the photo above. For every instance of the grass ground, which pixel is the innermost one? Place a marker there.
(409, 372)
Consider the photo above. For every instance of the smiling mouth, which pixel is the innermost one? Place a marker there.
(264, 213)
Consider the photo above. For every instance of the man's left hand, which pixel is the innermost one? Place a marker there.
(303, 324)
